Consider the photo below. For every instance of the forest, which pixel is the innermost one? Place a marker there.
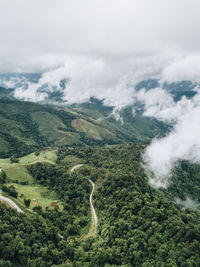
(137, 225)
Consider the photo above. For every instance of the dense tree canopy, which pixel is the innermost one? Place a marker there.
(137, 225)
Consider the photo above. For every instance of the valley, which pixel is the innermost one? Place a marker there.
(81, 185)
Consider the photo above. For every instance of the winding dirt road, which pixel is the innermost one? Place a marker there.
(11, 203)
(76, 167)
(91, 194)
(92, 207)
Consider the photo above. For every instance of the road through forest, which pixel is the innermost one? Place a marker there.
(11, 203)
(91, 194)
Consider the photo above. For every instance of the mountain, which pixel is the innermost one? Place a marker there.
(12, 81)
(26, 126)
(176, 89)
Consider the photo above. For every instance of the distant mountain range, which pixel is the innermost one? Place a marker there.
(21, 80)
(27, 126)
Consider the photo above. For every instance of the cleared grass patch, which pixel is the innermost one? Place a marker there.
(18, 171)
(48, 125)
(91, 130)
(42, 195)
(4, 163)
(48, 156)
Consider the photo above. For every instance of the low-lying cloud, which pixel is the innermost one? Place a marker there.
(181, 143)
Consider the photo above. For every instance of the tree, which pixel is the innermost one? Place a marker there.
(27, 202)
(37, 153)
(14, 159)
(2, 177)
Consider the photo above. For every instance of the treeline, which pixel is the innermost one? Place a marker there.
(10, 190)
(14, 146)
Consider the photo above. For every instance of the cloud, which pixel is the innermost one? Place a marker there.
(188, 203)
(181, 143)
(185, 68)
(86, 77)
(35, 36)
(101, 48)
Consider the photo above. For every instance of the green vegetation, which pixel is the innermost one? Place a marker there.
(17, 175)
(11, 190)
(18, 171)
(27, 127)
(29, 241)
(49, 125)
(48, 156)
(137, 225)
(185, 182)
(39, 195)
(91, 130)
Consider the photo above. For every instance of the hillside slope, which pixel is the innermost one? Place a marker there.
(26, 127)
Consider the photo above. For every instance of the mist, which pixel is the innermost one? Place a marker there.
(182, 143)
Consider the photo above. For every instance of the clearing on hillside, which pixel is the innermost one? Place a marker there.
(18, 171)
(39, 195)
(91, 130)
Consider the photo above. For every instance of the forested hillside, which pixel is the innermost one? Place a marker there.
(26, 127)
(137, 225)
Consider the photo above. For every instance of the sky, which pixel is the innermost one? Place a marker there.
(42, 35)
(103, 48)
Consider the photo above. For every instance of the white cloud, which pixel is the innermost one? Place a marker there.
(186, 68)
(34, 34)
(86, 77)
(182, 142)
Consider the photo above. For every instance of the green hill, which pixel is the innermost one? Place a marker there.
(26, 127)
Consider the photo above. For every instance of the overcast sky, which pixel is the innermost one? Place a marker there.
(41, 35)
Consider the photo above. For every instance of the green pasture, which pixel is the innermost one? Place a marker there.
(47, 156)
(18, 171)
(39, 195)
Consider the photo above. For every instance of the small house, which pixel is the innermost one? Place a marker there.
(53, 204)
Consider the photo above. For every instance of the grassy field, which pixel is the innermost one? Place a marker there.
(18, 171)
(48, 156)
(41, 194)
(48, 125)
(91, 130)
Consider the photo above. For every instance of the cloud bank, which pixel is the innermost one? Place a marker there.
(181, 143)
